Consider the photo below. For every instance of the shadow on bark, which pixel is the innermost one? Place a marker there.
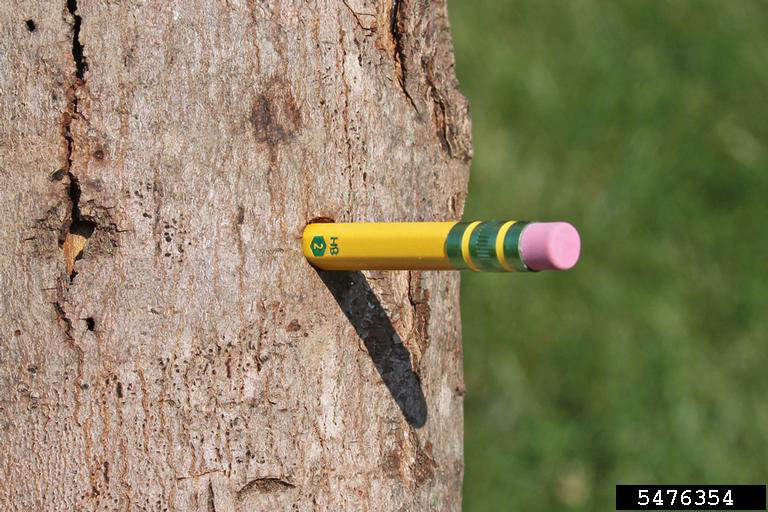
(392, 360)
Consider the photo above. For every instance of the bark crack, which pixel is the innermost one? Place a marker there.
(211, 497)
(266, 485)
(81, 65)
(418, 297)
(75, 235)
(76, 231)
(397, 32)
(369, 30)
(62, 315)
(441, 125)
(200, 475)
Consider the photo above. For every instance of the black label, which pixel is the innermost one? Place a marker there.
(690, 497)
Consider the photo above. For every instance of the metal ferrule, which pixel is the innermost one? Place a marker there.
(492, 246)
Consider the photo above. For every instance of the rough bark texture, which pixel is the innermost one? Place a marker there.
(163, 343)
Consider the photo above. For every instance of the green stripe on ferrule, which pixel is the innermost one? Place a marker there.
(482, 247)
(512, 246)
(453, 245)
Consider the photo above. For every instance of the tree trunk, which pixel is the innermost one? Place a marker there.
(164, 345)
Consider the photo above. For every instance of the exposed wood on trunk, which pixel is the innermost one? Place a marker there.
(163, 343)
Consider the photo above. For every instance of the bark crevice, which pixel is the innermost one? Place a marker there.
(441, 125)
(74, 235)
(397, 31)
(80, 228)
(266, 485)
(81, 64)
(418, 297)
(63, 317)
(70, 340)
(211, 497)
(79, 224)
(368, 30)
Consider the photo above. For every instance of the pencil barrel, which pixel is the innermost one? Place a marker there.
(492, 246)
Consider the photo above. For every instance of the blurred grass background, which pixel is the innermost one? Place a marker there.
(645, 124)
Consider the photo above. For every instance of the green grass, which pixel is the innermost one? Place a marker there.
(645, 124)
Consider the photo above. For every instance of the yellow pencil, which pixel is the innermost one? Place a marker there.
(495, 246)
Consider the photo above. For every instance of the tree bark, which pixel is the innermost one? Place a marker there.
(164, 345)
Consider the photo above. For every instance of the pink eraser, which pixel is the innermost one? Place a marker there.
(550, 246)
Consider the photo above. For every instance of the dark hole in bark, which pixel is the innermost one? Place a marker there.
(79, 225)
(90, 322)
(31, 25)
